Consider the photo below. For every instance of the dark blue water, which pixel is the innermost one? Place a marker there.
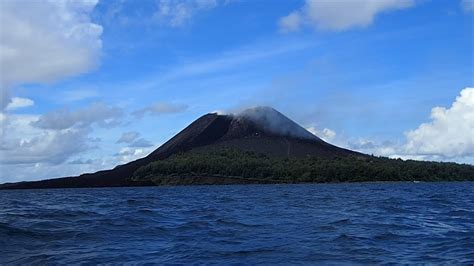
(362, 223)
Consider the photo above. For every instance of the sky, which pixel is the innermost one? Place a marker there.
(88, 85)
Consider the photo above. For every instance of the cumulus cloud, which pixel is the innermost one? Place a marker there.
(128, 154)
(128, 137)
(141, 143)
(160, 108)
(133, 139)
(97, 113)
(467, 5)
(3, 117)
(364, 145)
(339, 15)
(18, 102)
(176, 13)
(32, 153)
(448, 136)
(54, 137)
(385, 148)
(44, 41)
(450, 133)
(40, 170)
(47, 147)
(325, 134)
(81, 161)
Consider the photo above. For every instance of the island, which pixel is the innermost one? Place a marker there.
(256, 146)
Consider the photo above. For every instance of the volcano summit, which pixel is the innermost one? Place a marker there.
(258, 145)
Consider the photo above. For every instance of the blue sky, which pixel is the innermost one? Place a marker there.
(89, 85)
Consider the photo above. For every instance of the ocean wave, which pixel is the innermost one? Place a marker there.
(254, 224)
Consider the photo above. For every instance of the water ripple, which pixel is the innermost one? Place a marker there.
(254, 224)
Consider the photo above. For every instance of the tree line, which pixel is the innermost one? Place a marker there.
(246, 164)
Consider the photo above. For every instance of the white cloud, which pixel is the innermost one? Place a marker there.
(78, 95)
(128, 137)
(177, 13)
(292, 22)
(97, 113)
(326, 134)
(38, 171)
(133, 140)
(339, 15)
(363, 145)
(449, 136)
(141, 143)
(20, 143)
(32, 153)
(128, 154)
(49, 147)
(35, 147)
(18, 102)
(227, 62)
(44, 41)
(367, 146)
(82, 161)
(160, 108)
(219, 112)
(450, 133)
(467, 5)
(49, 140)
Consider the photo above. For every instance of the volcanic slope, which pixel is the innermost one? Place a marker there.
(261, 129)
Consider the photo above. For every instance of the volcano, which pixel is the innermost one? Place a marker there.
(259, 130)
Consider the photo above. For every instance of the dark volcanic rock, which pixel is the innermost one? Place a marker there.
(260, 129)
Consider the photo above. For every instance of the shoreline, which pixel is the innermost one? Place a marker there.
(227, 181)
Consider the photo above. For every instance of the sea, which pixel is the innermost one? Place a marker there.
(357, 223)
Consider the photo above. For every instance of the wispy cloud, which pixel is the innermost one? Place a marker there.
(227, 62)
(177, 13)
(467, 5)
(18, 102)
(97, 113)
(78, 95)
(160, 108)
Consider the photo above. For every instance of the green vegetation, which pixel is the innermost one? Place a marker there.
(236, 163)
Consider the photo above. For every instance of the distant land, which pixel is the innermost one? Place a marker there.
(257, 146)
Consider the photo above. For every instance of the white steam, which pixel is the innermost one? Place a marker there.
(273, 121)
